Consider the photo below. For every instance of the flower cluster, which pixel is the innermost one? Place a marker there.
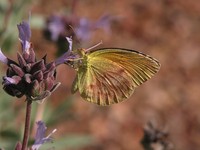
(58, 27)
(30, 77)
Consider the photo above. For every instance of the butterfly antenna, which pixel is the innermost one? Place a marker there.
(76, 37)
(87, 50)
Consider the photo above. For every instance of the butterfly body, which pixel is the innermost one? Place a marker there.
(110, 75)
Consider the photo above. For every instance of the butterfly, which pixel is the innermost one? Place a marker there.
(110, 75)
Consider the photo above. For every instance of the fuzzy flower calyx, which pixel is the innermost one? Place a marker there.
(30, 77)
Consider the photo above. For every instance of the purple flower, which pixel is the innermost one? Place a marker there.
(85, 27)
(40, 135)
(69, 56)
(56, 26)
(3, 58)
(30, 77)
(24, 35)
(59, 26)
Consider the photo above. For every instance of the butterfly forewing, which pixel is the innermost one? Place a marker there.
(111, 75)
(140, 66)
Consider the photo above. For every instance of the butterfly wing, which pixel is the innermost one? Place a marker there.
(111, 75)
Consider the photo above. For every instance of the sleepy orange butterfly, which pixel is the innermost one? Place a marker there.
(110, 75)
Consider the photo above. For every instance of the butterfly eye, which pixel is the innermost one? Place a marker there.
(74, 62)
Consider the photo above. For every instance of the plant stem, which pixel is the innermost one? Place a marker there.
(27, 125)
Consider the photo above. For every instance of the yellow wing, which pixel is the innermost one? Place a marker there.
(108, 76)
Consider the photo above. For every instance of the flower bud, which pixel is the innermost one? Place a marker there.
(29, 77)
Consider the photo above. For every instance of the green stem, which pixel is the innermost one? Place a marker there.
(27, 125)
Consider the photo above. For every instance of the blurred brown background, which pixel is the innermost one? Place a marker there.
(168, 30)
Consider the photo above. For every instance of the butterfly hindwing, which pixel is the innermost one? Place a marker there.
(104, 83)
(75, 85)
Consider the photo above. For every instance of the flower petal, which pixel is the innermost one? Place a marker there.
(14, 80)
(24, 35)
(56, 26)
(3, 58)
(40, 135)
(62, 59)
(84, 29)
(105, 22)
(69, 40)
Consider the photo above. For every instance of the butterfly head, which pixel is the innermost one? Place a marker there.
(76, 58)
(79, 52)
